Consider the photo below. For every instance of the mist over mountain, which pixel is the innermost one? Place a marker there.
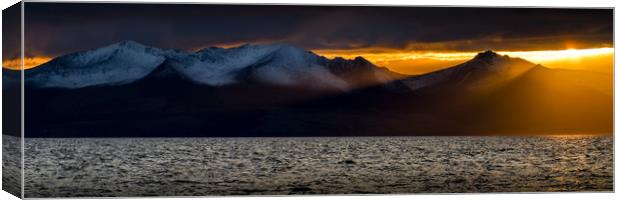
(128, 89)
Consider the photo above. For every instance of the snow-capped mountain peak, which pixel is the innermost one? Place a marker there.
(279, 64)
(117, 63)
(129, 61)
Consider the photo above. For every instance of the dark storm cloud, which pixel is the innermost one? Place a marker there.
(55, 28)
(11, 27)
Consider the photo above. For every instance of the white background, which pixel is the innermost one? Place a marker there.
(489, 3)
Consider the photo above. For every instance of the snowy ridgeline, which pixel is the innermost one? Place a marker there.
(128, 61)
(276, 64)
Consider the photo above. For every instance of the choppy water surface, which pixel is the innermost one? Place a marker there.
(12, 165)
(235, 166)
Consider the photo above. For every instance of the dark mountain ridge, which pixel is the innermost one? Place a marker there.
(488, 95)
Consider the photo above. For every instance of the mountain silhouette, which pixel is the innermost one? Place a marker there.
(132, 90)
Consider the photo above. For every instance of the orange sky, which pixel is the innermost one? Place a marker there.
(418, 62)
(28, 62)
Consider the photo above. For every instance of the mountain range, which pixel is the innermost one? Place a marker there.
(129, 89)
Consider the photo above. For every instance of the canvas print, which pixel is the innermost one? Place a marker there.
(128, 100)
(11, 101)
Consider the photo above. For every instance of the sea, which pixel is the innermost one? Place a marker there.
(131, 167)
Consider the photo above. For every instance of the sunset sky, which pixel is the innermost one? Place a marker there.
(409, 40)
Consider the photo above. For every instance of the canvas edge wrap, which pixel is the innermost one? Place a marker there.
(12, 92)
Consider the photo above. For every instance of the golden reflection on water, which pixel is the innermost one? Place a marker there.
(571, 137)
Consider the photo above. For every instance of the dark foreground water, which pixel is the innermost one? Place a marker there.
(254, 166)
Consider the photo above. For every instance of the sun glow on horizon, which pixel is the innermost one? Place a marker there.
(539, 56)
(416, 62)
(30, 62)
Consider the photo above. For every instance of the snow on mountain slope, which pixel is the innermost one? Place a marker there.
(277, 64)
(128, 61)
(218, 66)
(290, 65)
(118, 63)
